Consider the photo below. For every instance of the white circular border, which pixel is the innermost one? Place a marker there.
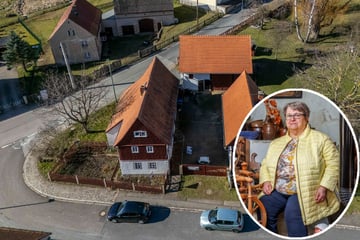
(356, 146)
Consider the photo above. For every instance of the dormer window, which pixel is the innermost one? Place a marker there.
(140, 133)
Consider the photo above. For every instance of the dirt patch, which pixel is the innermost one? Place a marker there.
(89, 160)
(94, 166)
(200, 124)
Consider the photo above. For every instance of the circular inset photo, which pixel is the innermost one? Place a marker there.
(296, 164)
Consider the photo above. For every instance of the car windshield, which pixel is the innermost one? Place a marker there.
(120, 207)
(212, 215)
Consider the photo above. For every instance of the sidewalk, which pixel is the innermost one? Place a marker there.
(105, 196)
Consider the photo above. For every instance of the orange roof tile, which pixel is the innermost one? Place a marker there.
(215, 54)
(237, 102)
(83, 14)
(154, 107)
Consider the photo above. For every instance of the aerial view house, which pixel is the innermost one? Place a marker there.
(141, 16)
(143, 126)
(213, 62)
(76, 37)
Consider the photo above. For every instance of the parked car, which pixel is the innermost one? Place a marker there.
(129, 211)
(204, 160)
(222, 219)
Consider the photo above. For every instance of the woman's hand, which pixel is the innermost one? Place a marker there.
(267, 188)
(320, 194)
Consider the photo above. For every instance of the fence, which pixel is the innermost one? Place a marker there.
(107, 183)
(208, 170)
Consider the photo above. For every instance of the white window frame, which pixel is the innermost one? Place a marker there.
(84, 43)
(140, 133)
(134, 149)
(137, 165)
(87, 55)
(152, 165)
(149, 149)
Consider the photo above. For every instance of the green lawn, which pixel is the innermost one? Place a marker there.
(206, 187)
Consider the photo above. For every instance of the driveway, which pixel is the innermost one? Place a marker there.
(200, 122)
(10, 91)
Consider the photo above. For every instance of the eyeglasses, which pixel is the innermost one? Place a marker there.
(296, 116)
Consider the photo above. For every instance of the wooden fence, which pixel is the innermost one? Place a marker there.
(107, 183)
(208, 170)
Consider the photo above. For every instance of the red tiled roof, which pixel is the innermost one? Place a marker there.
(154, 107)
(237, 102)
(215, 54)
(21, 234)
(83, 14)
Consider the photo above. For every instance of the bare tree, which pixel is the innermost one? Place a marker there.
(336, 75)
(313, 15)
(74, 106)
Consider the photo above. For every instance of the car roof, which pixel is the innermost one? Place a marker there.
(227, 214)
(132, 207)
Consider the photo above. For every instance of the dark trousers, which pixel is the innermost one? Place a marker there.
(275, 203)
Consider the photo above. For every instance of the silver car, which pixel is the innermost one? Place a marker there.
(222, 219)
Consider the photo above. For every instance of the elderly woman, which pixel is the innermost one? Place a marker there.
(299, 174)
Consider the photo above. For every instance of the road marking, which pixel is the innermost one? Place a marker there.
(348, 227)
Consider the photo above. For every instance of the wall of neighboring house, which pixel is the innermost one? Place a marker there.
(79, 45)
(139, 167)
(133, 17)
(147, 22)
(191, 81)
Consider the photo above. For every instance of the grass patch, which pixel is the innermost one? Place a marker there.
(207, 187)
(354, 206)
(45, 167)
(187, 19)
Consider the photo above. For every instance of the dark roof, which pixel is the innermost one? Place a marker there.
(83, 14)
(21, 234)
(151, 100)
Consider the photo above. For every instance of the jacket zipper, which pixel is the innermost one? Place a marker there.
(298, 184)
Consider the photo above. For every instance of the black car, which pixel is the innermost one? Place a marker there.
(129, 211)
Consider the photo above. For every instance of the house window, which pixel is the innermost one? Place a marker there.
(137, 165)
(152, 165)
(84, 43)
(71, 33)
(149, 149)
(87, 55)
(134, 149)
(140, 133)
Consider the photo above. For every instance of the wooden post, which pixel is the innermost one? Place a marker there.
(105, 185)
(77, 179)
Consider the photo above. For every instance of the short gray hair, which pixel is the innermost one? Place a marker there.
(299, 106)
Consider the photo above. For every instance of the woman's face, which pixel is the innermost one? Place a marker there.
(295, 120)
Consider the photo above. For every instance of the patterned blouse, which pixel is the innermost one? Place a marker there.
(285, 173)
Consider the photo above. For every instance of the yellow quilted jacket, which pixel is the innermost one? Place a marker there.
(317, 163)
